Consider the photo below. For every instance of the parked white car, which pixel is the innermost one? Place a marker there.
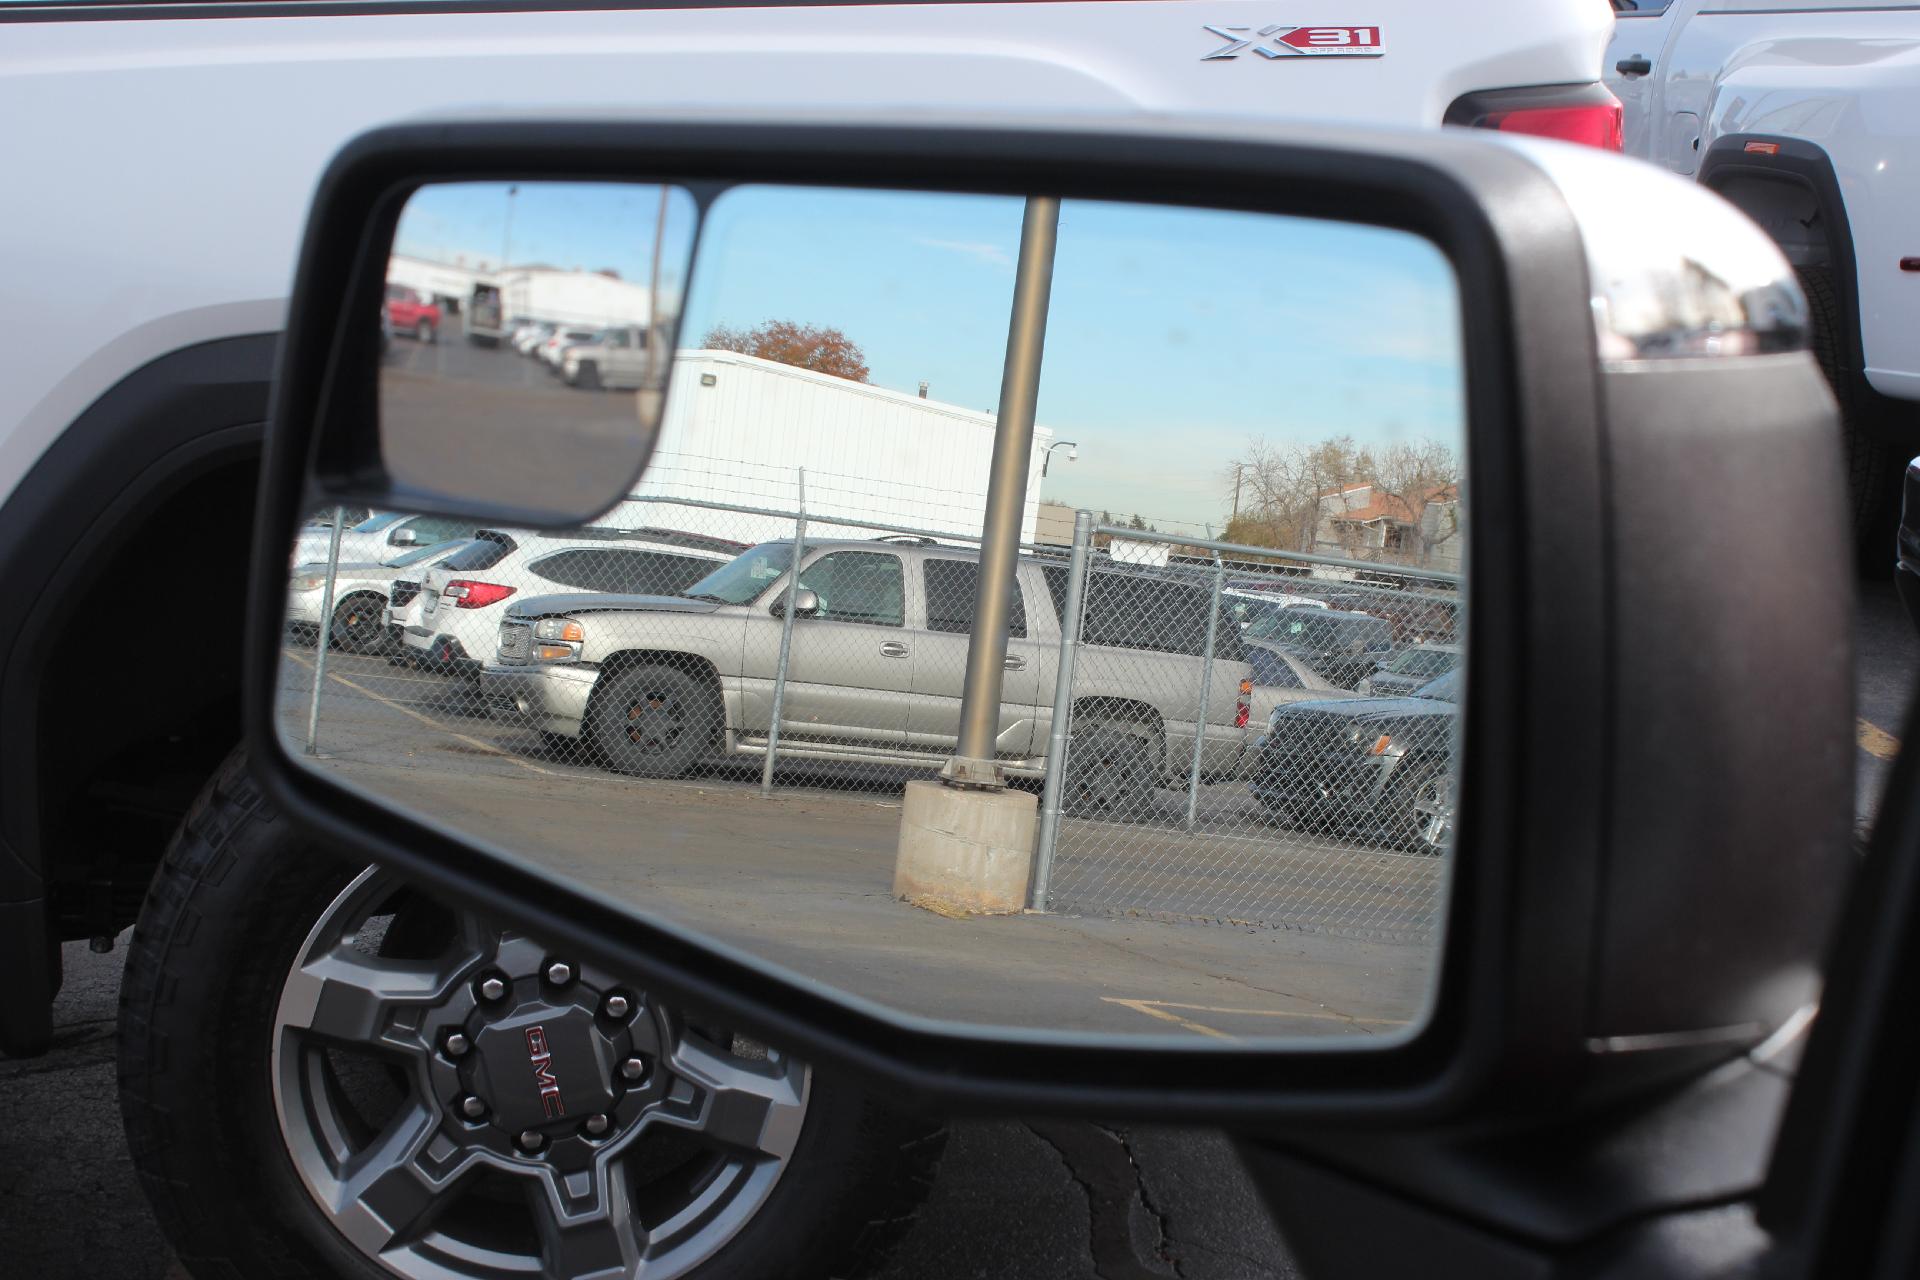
(461, 600)
(361, 591)
(380, 539)
(552, 352)
(529, 336)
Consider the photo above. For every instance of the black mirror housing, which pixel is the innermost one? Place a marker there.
(1637, 519)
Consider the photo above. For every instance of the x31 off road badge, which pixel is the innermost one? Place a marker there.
(1279, 42)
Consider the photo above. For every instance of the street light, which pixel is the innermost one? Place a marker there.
(1073, 453)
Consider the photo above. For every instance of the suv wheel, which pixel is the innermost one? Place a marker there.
(1112, 769)
(1425, 805)
(586, 376)
(360, 624)
(656, 722)
(315, 1066)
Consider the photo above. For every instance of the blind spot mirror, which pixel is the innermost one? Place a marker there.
(539, 392)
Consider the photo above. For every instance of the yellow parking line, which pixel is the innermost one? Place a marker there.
(1163, 1009)
(1152, 1010)
(403, 709)
(1876, 741)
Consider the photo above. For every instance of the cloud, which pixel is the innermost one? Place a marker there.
(992, 255)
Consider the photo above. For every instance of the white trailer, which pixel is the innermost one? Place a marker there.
(738, 430)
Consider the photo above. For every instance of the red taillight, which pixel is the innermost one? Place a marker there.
(1243, 712)
(1596, 124)
(468, 594)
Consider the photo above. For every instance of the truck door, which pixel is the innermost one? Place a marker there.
(1635, 65)
(851, 666)
(940, 662)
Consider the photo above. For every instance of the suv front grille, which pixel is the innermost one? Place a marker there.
(516, 641)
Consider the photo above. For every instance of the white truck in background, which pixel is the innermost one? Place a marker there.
(1806, 114)
(891, 458)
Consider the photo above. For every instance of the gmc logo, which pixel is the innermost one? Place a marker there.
(543, 1077)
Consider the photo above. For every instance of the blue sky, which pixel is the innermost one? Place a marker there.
(590, 226)
(1176, 336)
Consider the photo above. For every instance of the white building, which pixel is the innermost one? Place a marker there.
(586, 298)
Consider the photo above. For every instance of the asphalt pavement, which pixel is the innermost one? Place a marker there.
(1049, 1200)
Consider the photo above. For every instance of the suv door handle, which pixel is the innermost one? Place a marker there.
(1016, 663)
(893, 649)
(1637, 65)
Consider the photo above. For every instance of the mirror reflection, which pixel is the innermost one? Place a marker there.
(1213, 794)
(519, 363)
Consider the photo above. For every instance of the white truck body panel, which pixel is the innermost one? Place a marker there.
(1845, 79)
(158, 199)
(869, 454)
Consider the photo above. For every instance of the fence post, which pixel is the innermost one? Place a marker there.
(1060, 729)
(326, 632)
(786, 636)
(1206, 686)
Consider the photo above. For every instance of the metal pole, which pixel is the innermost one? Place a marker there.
(506, 248)
(1061, 732)
(786, 638)
(652, 362)
(1206, 686)
(326, 632)
(973, 763)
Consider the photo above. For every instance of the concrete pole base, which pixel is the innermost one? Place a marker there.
(968, 850)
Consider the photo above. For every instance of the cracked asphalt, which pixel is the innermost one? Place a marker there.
(1047, 1200)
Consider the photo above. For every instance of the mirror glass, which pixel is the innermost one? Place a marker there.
(519, 364)
(1231, 665)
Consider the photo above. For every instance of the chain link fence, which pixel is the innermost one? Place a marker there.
(1218, 733)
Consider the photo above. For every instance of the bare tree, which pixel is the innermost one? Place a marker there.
(1337, 496)
(1419, 484)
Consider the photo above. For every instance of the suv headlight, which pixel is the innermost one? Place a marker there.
(558, 639)
(308, 581)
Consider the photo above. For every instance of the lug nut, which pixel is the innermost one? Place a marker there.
(530, 1141)
(559, 973)
(492, 988)
(633, 1068)
(618, 1006)
(472, 1108)
(597, 1125)
(457, 1044)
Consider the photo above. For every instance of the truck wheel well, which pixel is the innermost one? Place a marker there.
(1108, 708)
(692, 664)
(124, 751)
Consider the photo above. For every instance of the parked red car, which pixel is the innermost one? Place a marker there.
(409, 312)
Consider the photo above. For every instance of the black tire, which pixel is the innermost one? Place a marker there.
(586, 376)
(1417, 787)
(1869, 460)
(655, 721)
(1112, 769)
(423, 332)
(224, 917)
(360, 624)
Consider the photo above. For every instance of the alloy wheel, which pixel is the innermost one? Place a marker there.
(465, 1102)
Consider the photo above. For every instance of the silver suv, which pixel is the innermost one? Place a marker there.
(611, 358)
(656, 685)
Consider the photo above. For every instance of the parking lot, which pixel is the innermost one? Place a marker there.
(803, 878)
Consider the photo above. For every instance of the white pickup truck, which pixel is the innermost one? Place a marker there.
(153, 202)
(1806, 114)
